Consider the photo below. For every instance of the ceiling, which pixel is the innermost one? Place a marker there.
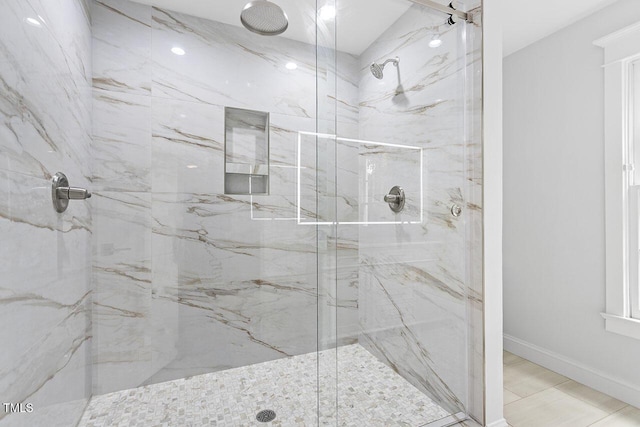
(359, 25)
(527, 21)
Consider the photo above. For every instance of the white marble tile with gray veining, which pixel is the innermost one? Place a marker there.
(416, 274)
(45, 259)
(45, 127)
(232, 324)
(416, 322)
(253, 74)
(53, 369)
(122, 295)
(254, 247)
(44, 68)
(225, 272)
(188, 147)
(74, 46)
(121, 46)
(229, 288)
(122, 147)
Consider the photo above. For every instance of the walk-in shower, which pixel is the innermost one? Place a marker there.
(276, 234)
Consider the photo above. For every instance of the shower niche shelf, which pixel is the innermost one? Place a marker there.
(246, 151)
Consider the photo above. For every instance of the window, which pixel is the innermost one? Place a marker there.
(622, 179)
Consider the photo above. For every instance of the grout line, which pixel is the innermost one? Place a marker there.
(589, 403)
(538, 392)
(569, 395)
(609, 415)
(526, 397)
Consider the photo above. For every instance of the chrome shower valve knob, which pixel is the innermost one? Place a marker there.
(395, 199)
(61, 193)
(72, 193)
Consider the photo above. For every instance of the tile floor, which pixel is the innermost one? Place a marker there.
(369, 394)
(537, 397)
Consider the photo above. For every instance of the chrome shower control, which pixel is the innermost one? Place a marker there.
(61, 193)
(395, 198)
(456, 210)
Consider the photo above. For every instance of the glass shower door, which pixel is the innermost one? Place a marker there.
(394, 317)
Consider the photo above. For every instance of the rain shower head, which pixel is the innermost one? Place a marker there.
(264, 17)
(377, 69)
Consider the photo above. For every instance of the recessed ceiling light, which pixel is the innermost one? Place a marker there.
(291, 66)
(192, 166)
(327, 12)
(435, 43)
(33, 22)
(178, 50)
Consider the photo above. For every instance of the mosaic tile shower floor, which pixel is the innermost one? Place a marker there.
(370, 394)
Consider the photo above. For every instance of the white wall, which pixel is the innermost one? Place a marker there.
(554, 254)
(492, 180)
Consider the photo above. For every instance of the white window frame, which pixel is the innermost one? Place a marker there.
(634, 187)
(621, 49)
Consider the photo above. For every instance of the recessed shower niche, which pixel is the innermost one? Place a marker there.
(246, 151)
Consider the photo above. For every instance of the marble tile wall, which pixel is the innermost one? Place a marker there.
(45, 127)
(213, 285)
(189, 280)
(414, 280)
(123, 300)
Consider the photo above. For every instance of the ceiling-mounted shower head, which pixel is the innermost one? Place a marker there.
(377, 69)
(264, 18)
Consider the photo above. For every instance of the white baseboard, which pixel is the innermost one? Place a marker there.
(499, 423)
(575, 370)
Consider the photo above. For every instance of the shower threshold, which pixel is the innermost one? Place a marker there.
(369, 393)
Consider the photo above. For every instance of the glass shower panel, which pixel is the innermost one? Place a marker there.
(231, 302)
(326, 199)
(247, 280)
(401, 238)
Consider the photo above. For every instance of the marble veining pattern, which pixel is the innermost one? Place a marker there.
(222, 281)
(176, 292)
(416, 273)
(45, 127)
(43, 68)
(121, 46)
(371, 394)
(231, 280)
(122, 144)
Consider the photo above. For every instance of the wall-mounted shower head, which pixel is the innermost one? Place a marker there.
(264, 18)
(377, 69)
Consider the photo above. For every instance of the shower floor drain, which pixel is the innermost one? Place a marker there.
(266, 416)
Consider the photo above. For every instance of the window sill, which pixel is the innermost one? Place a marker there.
(622, 325)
